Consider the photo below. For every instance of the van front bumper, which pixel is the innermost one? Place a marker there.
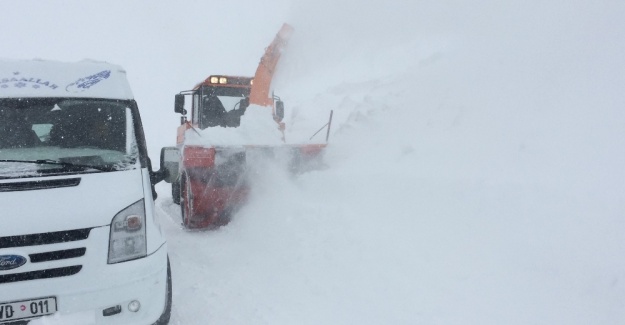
(84, 297)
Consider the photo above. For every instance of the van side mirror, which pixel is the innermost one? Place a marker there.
(179, 104)
(170, 159)
(280, 110)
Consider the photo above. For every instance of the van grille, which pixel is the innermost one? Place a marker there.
(45, 238)
(42, 274)
(39, 185)
(57, 255)
(44, 254)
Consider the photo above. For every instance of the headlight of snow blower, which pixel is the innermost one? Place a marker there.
(127, 241)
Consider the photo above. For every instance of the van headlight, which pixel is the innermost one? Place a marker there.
(127, 241)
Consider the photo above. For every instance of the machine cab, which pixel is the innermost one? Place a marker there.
(219, 101)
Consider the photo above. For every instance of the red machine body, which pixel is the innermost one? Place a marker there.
(211, 181)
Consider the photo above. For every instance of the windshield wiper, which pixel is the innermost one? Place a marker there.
(61, 163)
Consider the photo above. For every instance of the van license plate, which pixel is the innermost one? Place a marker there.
(27, 308)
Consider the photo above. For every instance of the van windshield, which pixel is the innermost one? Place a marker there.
(56, 135)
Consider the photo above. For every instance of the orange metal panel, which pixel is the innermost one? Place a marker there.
(264, 73)
(195, 156)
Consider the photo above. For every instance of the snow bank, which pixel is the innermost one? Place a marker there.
(257, 128)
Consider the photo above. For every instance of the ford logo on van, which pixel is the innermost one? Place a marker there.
(9, 262)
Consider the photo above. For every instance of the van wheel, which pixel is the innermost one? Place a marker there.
(175, 192)
(164, 319)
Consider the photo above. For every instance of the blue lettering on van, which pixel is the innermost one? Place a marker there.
(21, 82)
(85, 83)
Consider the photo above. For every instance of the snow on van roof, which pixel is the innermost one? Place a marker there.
(41, 78)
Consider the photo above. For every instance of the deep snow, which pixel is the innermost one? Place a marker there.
(475, 177)
(475, 172)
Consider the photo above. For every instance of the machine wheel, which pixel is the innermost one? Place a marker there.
(186, 201)
(164, 319)
(175, 192)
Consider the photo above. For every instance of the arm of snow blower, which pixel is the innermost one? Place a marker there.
(259, 93)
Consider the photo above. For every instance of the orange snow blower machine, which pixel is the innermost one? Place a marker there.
(215, 148)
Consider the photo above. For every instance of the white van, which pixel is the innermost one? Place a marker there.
(78, 237)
